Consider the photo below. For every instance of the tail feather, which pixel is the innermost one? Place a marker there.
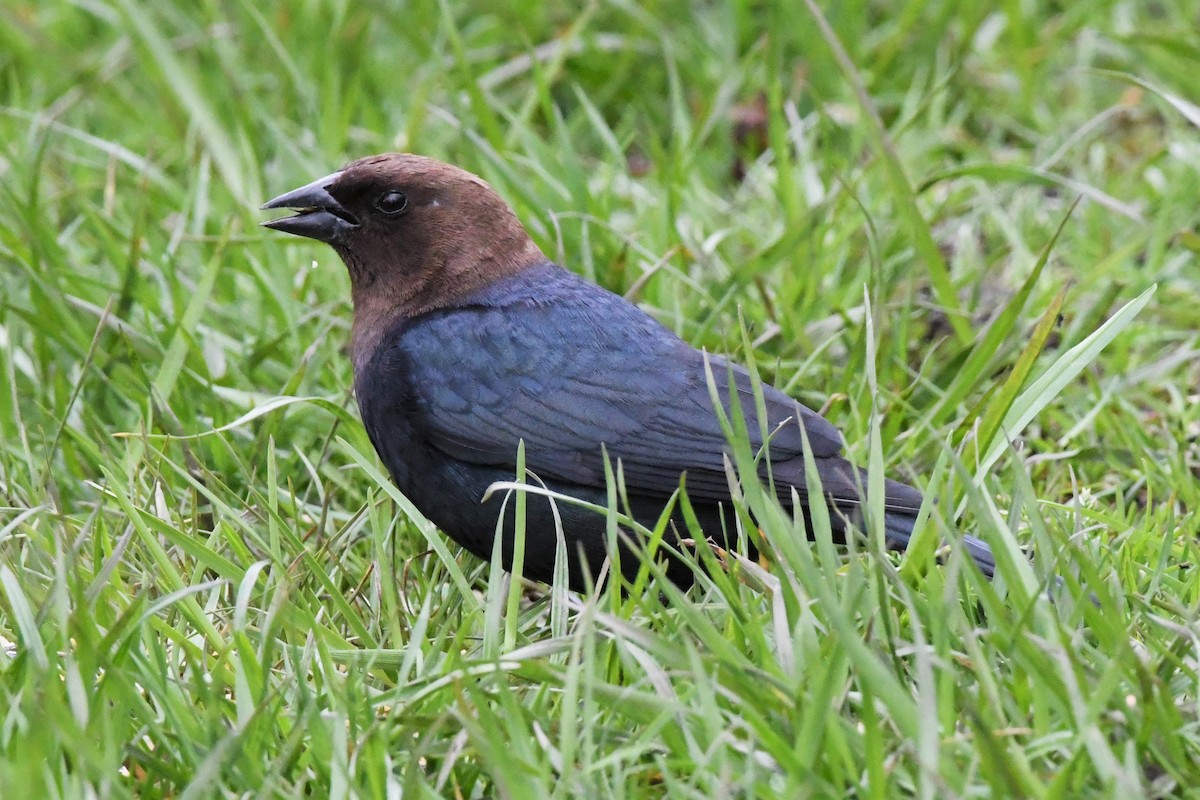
(898, 528)
(982, 555)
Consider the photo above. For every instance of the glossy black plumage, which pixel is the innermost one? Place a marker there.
(468, 341)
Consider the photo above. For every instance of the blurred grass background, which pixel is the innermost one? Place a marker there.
(871, 189)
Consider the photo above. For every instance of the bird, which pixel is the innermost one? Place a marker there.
(468, 342)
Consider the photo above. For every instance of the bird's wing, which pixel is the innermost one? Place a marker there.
(570, 377)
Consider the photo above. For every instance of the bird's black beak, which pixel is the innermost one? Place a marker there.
(319, 216)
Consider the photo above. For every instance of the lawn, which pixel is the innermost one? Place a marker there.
(967, 231)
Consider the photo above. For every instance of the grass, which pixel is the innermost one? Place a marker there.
(942, 221)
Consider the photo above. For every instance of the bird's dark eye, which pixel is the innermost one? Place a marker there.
(392, 203)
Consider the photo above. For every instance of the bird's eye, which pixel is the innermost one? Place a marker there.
(392, 203)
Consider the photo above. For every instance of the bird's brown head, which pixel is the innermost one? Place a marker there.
(415, 233)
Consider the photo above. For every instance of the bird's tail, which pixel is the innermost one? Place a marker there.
(898, 528)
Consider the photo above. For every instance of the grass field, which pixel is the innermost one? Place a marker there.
(967, 230)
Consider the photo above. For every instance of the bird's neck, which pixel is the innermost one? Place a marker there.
(442, 280)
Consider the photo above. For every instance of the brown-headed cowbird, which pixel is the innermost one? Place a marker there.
(467, 340)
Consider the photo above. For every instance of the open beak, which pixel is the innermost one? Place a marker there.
(318, 215)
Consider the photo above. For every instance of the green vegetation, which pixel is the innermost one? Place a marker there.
(209, 589)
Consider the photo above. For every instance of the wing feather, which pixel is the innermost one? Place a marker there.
(574, 370)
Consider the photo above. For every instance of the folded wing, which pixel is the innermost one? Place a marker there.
(591, 373)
